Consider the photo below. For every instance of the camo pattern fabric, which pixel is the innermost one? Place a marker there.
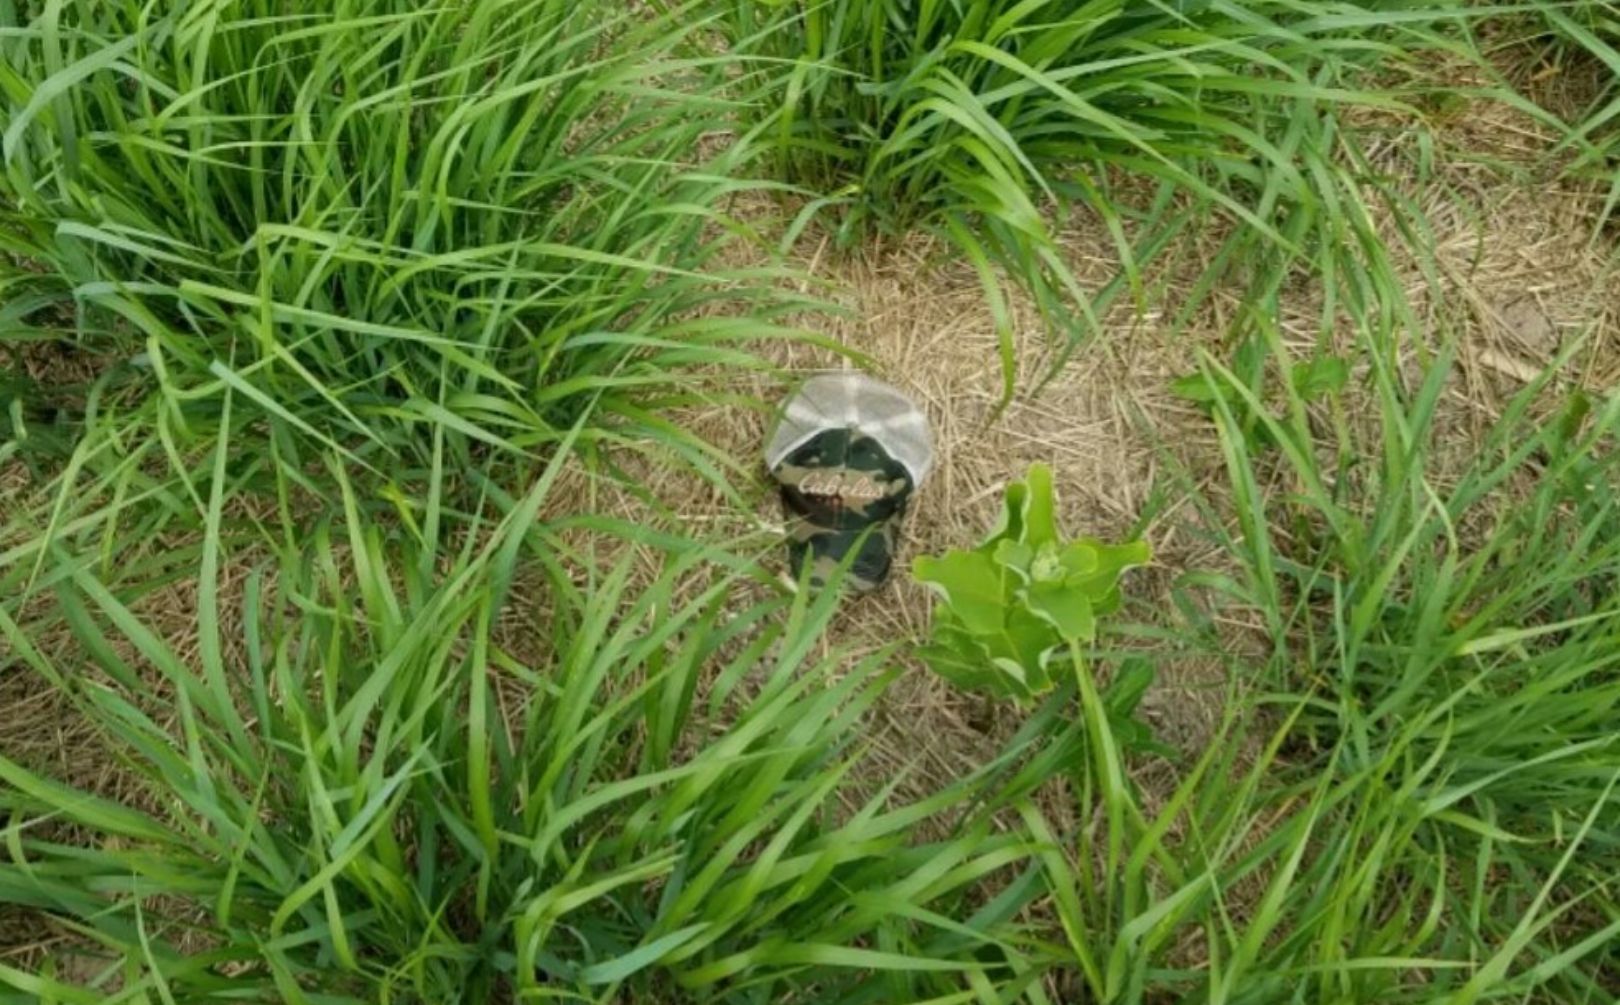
(841, 491)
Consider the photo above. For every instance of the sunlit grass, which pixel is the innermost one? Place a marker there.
(424, 236)
(349, 302)
(383, 797)
(999, 124)
(1445, 624)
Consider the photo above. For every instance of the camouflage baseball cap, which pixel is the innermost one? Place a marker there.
(848, 452)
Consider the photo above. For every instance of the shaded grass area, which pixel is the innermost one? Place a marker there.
(1586, 38)
(356, 288)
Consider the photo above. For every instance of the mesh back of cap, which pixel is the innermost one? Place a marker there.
(856, 401)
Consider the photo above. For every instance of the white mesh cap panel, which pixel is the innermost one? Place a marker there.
(857, 401)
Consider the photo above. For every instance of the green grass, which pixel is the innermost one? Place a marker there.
(344, 305)
(991, 122)
(382, 799)
(1592, 31)
(417, 234)
(1444, 627)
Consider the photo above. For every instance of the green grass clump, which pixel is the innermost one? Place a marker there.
(366, 789)
(1592, 30)
(1445, 625)
(978, 120)
(382, 225)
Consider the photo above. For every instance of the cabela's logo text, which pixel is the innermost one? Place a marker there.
(843, 485)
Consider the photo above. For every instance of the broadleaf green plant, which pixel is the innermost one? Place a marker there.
(1018, 606)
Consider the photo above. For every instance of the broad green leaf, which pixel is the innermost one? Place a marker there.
(971, 583)
(1010, 525)
(1323, 376)
(1040, 522)
(1015, 556)
(1066, 608)
(1110, 561)
(1082, 561)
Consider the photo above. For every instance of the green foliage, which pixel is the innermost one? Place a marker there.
(636, 785)
(980, 119)
(329, 283)
(1444, 626)
(1121, 697)
(1322, 378)
(1020, 605)
(1591, 31)
(416, 233)
(31, 429)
